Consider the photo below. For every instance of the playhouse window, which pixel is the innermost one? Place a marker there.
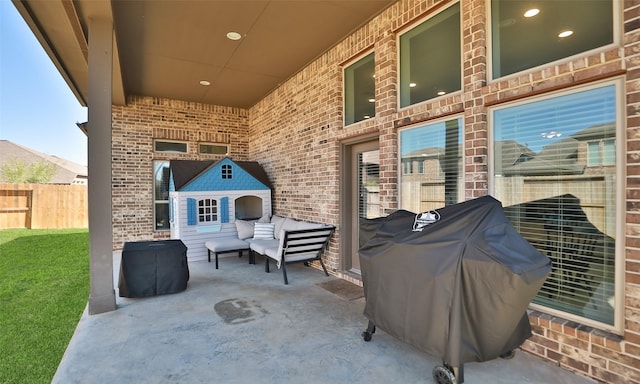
(226, 172)
(207, 211)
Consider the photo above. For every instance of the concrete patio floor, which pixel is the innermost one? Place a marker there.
(238, 324)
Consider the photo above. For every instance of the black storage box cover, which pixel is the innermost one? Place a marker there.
(458, 289)
(150, 268)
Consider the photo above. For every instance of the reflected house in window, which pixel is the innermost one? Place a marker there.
(429, 178)
(574, 155)
(207, 197)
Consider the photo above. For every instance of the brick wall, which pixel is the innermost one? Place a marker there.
(135, 126)
(297, 134)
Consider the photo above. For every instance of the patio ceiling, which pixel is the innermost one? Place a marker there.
(166, 48)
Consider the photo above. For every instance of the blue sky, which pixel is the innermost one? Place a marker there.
(37, 108)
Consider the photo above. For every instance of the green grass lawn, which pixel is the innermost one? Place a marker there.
(44, 288)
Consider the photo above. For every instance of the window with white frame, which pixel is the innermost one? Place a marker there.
(430, 58)
(528, 34)
(213, 149)
(359, 90)
(563, 207)
(207, 211)
(170, 146)
(435, 150)
(161, 195)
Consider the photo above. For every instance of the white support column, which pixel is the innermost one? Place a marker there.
(102, 296)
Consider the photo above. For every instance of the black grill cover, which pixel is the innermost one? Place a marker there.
(459, 288)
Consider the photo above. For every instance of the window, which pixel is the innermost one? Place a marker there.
(437, 149)
(407, 167)
(212, 149)
(601, 153)
(359, 90)
(521, 41)
(161, 195)
(207, 211)
(170, 146)
(227, 171)
(430, 58)
(564, 208)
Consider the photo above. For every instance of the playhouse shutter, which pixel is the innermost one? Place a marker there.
(224, 210)
(191, 212)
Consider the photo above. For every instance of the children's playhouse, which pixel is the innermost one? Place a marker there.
(207, 197)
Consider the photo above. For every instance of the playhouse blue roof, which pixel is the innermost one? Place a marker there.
(217, 175)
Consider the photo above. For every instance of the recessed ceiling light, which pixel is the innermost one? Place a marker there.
(440, 93)
(412, 85)
(205, 82)
(372, 100)
(565, 33)
(367, 116)
(234, 36)
(531, 12)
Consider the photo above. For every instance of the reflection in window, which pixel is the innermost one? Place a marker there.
(521, 42)
(602, 152)
(359, 90)
(161, 195)
(431, 157)
(564, 208)
(430, 58)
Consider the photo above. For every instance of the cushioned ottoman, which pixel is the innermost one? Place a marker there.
(226, 245)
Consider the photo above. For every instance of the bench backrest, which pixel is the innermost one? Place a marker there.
(303, 244)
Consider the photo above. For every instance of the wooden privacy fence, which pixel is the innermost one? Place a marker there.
(43, 206)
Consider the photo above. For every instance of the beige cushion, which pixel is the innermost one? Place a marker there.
(245, 229)
(223, 244)
(278, 221)
(261, 246)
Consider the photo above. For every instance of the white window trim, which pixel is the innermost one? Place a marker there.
(619, 297)
(618, 31)
(198, 215)
(213, 144)
(155, 202)
(346, 65)
(155, 141)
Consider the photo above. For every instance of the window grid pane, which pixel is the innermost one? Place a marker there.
(207, 211)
